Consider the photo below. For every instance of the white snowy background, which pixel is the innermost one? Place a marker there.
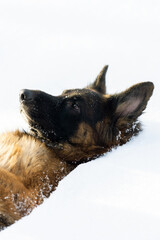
(55, 45)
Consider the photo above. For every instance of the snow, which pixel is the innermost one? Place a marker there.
(114, 197)
(55, 45)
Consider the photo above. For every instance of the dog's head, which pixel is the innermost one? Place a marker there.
(86, 116)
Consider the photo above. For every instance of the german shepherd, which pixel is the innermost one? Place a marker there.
(72, 128)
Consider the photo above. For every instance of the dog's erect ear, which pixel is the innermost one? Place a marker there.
(130, 104)
(99, 84)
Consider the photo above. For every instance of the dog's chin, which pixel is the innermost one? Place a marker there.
(26, 117)
(35, 129)
(31, 125)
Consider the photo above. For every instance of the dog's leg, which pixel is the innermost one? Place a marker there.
(12, 194)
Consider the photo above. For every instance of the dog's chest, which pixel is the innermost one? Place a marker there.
(20, 151)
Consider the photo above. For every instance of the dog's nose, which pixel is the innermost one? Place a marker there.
(26, 95)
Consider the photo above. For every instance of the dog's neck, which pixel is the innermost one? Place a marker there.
(103, 142)
(111, 135)
(85, 147)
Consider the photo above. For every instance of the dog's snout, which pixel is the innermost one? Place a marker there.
(26, 95)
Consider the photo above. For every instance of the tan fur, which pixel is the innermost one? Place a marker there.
(29, 171)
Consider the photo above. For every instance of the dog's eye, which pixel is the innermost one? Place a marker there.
(74, 106)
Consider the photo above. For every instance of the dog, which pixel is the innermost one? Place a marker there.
(73, 128)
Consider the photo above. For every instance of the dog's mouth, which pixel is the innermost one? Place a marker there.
(33, 126)
(24, 114)
(35, 118)
(28, 110)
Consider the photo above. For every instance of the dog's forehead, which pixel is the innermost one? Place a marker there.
(80, 92)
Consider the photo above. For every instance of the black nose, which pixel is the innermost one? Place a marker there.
(26, 95)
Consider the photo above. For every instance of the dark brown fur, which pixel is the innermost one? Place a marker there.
(32, 164)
